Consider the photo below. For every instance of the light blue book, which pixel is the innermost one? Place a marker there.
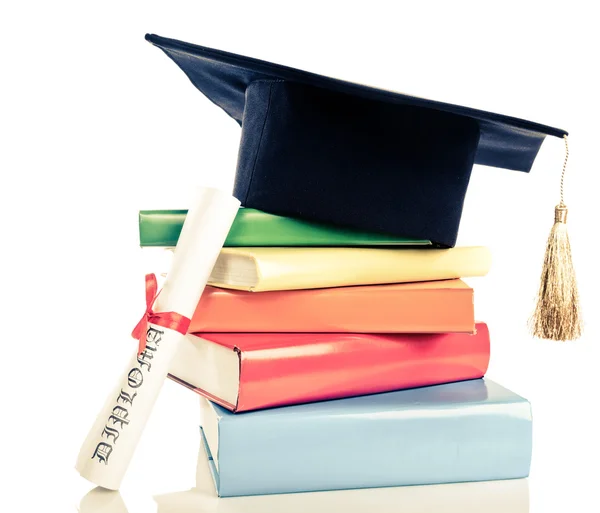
(467, 431)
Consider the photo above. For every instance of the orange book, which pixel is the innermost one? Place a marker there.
(422, 307)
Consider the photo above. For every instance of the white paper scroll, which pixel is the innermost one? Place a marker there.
(110, 444)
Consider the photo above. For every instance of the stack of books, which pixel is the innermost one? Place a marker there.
(333, 359)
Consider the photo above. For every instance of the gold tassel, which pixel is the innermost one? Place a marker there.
(557, 316)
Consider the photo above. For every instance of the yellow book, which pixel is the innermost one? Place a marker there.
(261, 269)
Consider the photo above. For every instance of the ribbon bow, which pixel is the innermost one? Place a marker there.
(170, 320)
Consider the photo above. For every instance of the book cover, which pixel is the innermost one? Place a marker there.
(444, 306)
(459, 432)
(249, 371)
(253, 227)
(506, 496)
(264, 269)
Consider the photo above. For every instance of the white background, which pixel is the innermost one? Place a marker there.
(97, 124)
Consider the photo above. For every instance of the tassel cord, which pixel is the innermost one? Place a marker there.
(562, 176)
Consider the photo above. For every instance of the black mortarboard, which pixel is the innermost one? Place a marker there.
(332, 151)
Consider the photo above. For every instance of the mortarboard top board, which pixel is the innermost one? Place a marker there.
(332, 151)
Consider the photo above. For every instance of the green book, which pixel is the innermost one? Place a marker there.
(256, 228)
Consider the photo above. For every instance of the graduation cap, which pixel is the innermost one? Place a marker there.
(331, 151)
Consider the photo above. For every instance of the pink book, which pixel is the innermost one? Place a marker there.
(250, 371)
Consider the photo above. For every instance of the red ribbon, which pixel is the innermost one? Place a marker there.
(171, 320)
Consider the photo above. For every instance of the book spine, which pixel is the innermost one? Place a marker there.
(335, 267)
(474, 442)
(253, 228)
(506, 496)
(345, 365)
(445, 309)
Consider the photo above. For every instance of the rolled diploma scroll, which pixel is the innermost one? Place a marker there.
(110, 444)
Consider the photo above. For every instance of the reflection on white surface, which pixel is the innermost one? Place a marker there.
(486, 497)
(100, 500)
